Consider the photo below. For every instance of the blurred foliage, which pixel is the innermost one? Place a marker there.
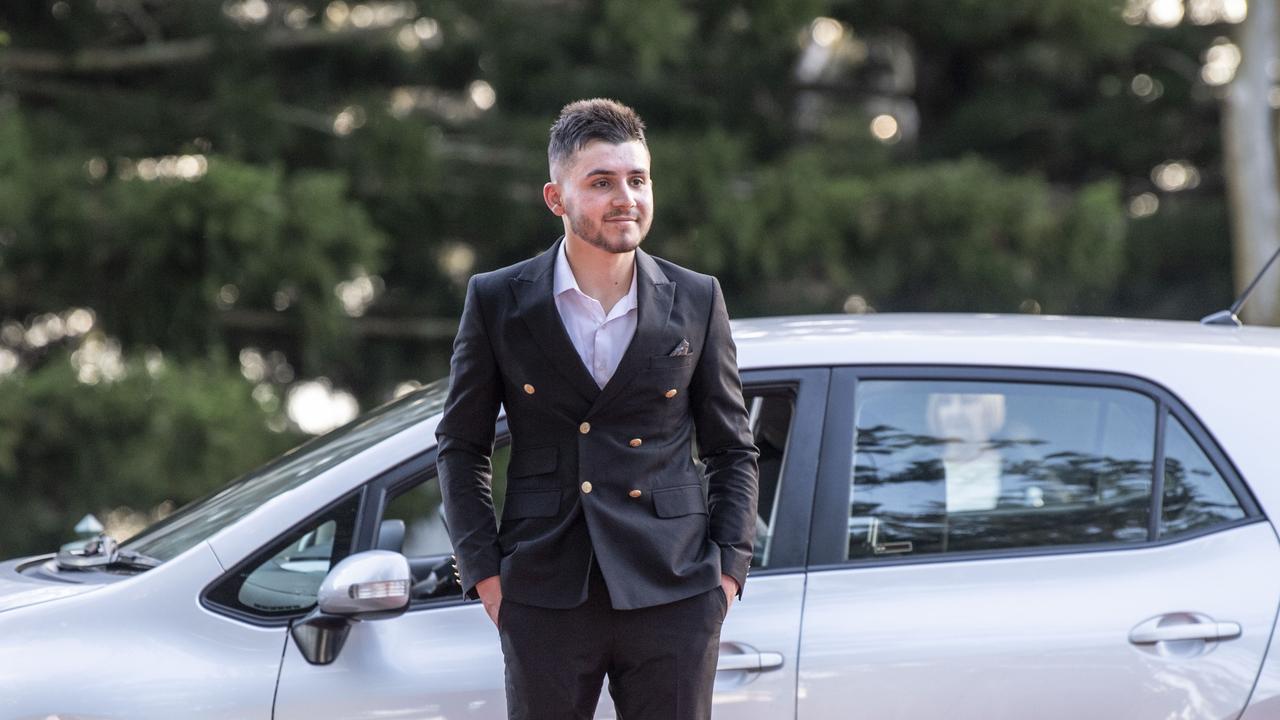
(410, 147)
(172, 434)
(151, 257)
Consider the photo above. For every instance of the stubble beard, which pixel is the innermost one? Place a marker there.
(593, 234)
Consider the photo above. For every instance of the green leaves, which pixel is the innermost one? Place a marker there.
(963, 234)
(68, 448)
(926, 237)
(152, 257)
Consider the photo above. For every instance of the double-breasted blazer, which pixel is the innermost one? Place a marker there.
(604, 473)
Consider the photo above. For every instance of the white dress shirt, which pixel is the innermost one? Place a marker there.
(600, 339)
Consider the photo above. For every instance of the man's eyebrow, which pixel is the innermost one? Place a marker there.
(602, 171)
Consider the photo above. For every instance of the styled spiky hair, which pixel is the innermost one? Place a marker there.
(582, 121)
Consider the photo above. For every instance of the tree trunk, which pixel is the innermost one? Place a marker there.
(1249, 141)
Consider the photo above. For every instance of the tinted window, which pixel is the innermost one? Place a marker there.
(952, 466)
(1196, 495)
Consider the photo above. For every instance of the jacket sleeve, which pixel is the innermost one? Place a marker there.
(465, 436)
(725, 444)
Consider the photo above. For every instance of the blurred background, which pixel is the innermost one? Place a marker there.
(228, 226)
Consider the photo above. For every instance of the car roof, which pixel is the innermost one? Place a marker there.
(946, 338)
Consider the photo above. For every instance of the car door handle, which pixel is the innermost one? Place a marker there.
(749, 662)
(1152, 632)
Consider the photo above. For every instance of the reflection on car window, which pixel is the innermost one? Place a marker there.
(202, 518)
(953, 466)
(1195, 494)
(291, 578)
(285, 578)
(770, 417)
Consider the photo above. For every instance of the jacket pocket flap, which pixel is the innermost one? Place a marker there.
(539, 503)
(684, 500)
(533, 461)
(670, 361)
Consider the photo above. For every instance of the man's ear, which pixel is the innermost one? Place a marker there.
(551, 195)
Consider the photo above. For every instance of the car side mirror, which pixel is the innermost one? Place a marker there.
(366, 586)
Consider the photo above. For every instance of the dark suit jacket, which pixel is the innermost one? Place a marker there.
(655, 535)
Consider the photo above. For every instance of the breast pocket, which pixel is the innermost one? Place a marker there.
(663, 392)
(657, 362)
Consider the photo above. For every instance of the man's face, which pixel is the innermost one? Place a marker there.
(605, 195)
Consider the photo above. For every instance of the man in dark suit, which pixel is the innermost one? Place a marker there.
(611, 558)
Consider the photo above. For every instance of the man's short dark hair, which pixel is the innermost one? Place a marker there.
(582, 121)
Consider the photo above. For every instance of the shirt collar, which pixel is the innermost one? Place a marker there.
(563, 280)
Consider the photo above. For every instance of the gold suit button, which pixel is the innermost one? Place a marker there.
(635, 442)
(671, 393)
(584, 428)
(634, 493)
(528, 388)
(586, 487)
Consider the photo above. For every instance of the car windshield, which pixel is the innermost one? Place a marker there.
(201, 518)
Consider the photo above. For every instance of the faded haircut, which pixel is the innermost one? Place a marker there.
(582, 121)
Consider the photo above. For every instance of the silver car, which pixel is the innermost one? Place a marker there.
(960, 517)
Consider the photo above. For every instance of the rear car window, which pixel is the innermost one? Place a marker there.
(958, 465)
(944, 466)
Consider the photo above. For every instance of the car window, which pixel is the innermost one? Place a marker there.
(770, 415)
(413, 524)
(420, 507)
(1196, 496)
(955, 466)
(285, 578)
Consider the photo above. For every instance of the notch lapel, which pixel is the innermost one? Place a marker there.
(655, 295)
(536, 307)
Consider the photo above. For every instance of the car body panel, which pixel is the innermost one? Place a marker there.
(139, 649)
(1044, 636)
(1264, 703)
(17, 590)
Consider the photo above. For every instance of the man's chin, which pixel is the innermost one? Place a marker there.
(617, 245)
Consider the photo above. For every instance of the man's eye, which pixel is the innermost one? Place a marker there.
(600, 183)
(637, 181)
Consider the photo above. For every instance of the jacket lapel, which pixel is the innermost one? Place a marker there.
(536, 306)
(654, 297)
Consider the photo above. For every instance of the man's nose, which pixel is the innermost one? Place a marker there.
(625, 198)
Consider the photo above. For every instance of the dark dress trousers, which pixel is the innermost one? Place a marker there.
(599, 479)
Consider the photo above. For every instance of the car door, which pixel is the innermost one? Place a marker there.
(441, 658)
(1015, 544)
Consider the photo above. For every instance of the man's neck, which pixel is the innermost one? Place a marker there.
(602, 275)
